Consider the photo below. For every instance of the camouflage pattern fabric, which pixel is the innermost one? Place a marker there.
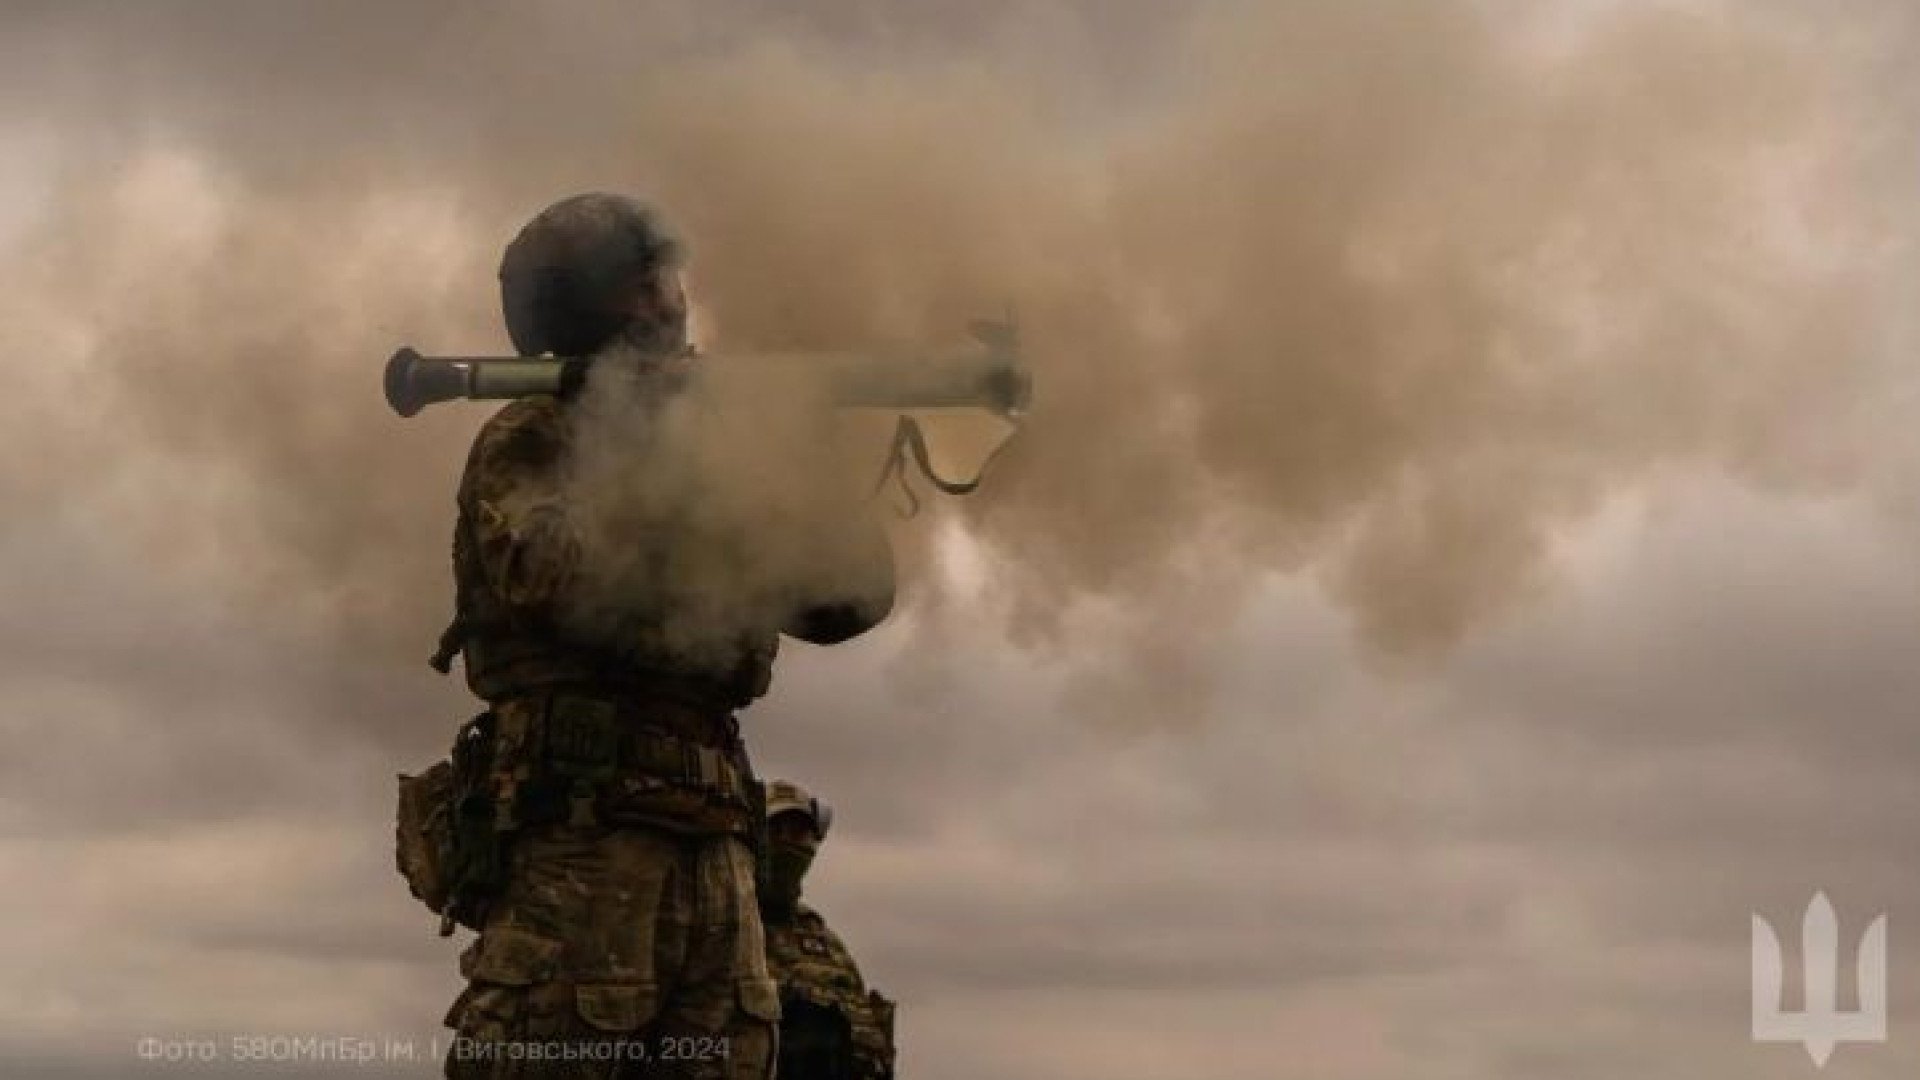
(624, 939)
(819, 978)
(519, 565)
(618, 952)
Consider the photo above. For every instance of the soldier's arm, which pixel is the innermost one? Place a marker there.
(873, 1042)
(870, 1015)
(527, 546)
(862, 600)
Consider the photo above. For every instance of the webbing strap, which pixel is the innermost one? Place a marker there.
(909, 442)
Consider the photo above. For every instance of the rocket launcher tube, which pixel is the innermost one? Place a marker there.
(991, 380)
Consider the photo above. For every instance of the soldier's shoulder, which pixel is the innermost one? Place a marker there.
(525, 432)
(816, 925)
(534, 414)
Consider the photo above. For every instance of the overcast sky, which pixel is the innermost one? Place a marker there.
(1460, 565)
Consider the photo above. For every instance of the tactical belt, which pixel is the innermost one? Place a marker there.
(679, 761)
(596, 737)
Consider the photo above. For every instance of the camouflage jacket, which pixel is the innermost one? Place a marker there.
(520, 570)
(818, 976)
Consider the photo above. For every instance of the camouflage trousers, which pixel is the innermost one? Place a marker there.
(616, 953)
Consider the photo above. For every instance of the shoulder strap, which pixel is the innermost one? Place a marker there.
(909, 442)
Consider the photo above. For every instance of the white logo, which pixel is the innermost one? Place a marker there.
(1820, 1024)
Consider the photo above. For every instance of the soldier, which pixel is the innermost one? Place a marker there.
(605, 806)
(834, 1028)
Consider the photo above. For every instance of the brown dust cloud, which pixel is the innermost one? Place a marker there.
(1387, 294)
(1457, 568)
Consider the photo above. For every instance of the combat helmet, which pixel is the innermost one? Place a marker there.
(563, 278)
(785, 797)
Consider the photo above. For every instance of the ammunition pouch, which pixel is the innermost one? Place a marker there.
(584, 760)
(447, 842)
(423, 833)
(478, 859)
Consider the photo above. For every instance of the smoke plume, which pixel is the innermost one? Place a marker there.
(1386, 292)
